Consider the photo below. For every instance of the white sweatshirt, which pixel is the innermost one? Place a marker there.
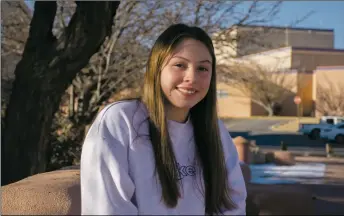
(117, 166)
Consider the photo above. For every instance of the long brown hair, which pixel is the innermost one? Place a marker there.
(204, 118)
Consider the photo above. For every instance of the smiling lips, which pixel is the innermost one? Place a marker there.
(187, 90)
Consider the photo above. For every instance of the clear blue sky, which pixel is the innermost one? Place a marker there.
(327, 15)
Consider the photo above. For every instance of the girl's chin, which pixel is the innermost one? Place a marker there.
(186, 105)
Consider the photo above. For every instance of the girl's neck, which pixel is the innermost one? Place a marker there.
(177, 114)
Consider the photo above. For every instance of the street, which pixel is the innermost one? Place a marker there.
(267, 139)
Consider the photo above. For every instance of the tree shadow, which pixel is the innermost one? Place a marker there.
(74, 195)
(329, 198)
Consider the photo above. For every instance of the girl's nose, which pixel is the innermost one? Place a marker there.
(190, 75)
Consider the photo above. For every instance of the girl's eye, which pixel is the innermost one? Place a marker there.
(179, 65)
(203, 69)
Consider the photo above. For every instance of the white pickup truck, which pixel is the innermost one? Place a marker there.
(334, 133)
(313, 130)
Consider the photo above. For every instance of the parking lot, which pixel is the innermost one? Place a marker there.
(260, 130)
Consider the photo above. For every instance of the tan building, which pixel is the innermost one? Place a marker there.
(300, 62)
(250, 39)
(328, 91)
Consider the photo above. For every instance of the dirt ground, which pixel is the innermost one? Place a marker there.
(293, 124)
(330, 194)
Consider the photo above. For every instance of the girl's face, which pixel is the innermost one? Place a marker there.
(185, 77)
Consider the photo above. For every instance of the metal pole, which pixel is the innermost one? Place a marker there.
(298, 113)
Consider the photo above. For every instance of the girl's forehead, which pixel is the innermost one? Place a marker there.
(192, 48)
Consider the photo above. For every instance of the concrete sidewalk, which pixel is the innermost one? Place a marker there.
(306, 151)
(330, 194)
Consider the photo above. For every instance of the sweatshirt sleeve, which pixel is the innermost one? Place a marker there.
(106, 187)
(236, 180)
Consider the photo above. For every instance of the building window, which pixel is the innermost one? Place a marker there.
(222, 93)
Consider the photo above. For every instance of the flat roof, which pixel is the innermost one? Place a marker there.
(292, 48)
(317, 49)
(286, 27)
(331, 67)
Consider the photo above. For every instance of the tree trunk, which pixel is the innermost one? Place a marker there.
(270, 111)
(46, 69)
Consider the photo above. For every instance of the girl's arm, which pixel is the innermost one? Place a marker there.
(106, 187)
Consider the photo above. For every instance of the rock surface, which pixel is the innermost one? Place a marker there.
(280, 158)
(51, 193)
(58, 193)
(243, 147)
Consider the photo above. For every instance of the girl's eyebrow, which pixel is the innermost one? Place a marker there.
(203, 61)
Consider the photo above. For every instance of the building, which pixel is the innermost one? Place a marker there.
(250, 39)
(300, 65)
(328, 91)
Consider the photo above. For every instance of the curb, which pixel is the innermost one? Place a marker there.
(273, 127)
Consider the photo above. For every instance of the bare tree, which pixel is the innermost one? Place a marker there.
(329, 98)
(106, 74)
(266, 87)
(61, 47)
(47, 67)
(138, 24)
(109, 72)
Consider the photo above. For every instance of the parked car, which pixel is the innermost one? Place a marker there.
(313, 130)
(334, 133)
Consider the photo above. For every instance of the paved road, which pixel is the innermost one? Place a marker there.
(259, 130)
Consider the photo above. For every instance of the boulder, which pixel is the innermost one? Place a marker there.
(280, 158)
(243, 147)
(51, 193)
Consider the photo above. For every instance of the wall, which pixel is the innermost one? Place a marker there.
(290, 85)
(276, 37)
(311, 38)
(332, 77)
(232, 103)
(273, 59)
(303, 61)
(287, 81)
(307, 59)
(305, 91)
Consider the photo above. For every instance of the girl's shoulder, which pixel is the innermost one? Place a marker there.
(128, 111)
(116, 107)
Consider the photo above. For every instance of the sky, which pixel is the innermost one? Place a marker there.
(326, 15)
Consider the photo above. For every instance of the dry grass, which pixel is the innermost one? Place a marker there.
(261, 117)
(293, 124)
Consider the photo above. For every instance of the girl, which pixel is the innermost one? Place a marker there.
(165, 153)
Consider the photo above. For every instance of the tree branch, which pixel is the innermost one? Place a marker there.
(74, 44)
